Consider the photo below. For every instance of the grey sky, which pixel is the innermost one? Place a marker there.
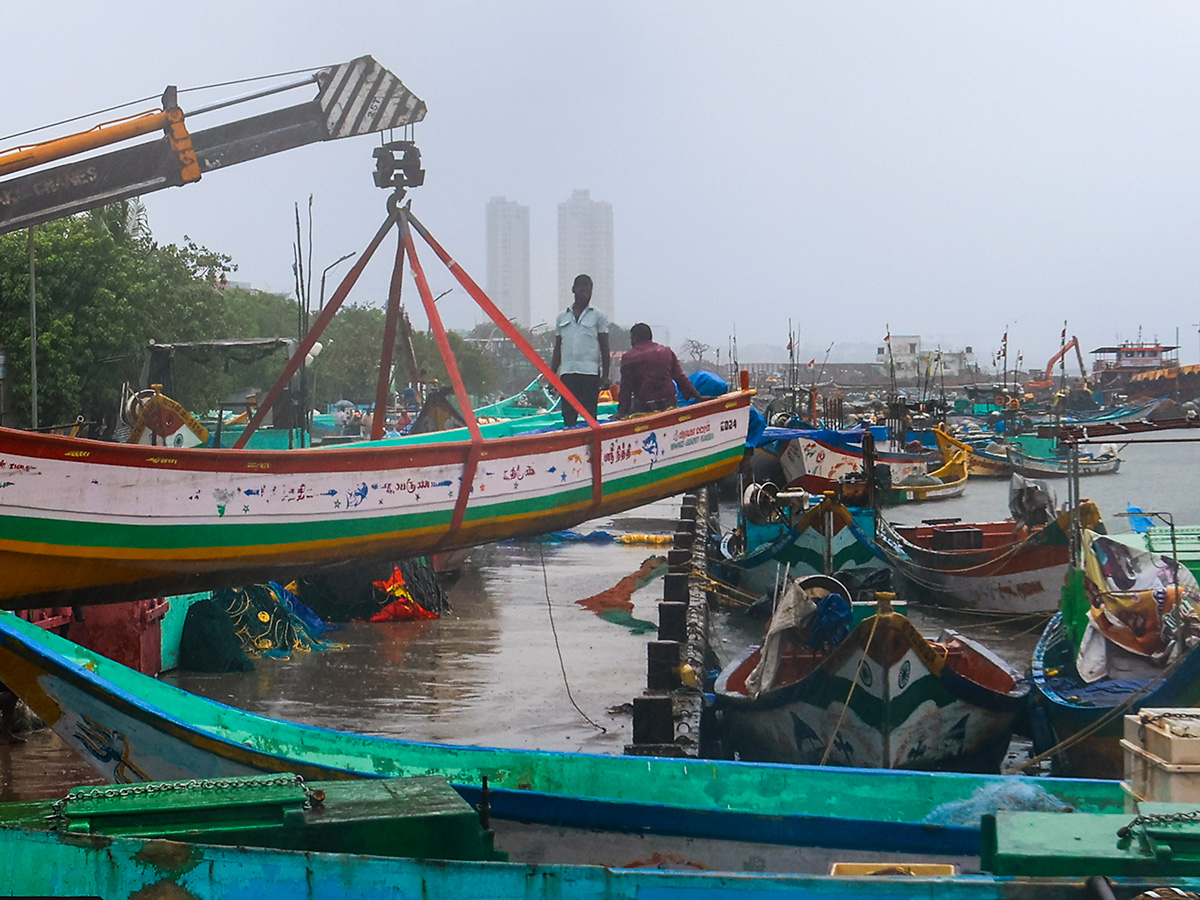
(945, 168)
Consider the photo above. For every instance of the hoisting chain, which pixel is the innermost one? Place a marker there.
(58, 812)
(1192, 815)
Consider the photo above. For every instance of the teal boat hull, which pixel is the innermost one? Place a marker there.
(45, 864)
(131, 728)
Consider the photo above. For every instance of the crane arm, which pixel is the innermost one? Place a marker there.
(358, 97)
(1072, 344)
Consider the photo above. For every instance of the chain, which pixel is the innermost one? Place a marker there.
(58, 812)
(1192, 815)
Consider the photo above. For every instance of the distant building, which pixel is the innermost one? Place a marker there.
(585, 245)
(904, 352)
(508, 258)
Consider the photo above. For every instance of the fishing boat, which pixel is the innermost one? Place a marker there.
(998, 456)
(1002, 566)
(878, 694)
(818, 461)
(132, 728)
(825, 538)
(1125, 638)
(1105, 462)
(41, 863)
(948, 480)
(84, 521)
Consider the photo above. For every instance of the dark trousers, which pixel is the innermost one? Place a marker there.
(586, 389)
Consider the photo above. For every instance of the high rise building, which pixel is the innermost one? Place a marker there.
(585, 245)
(508, 258)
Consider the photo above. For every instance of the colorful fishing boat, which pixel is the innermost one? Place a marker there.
(987, 457)
(994, 456)
(827, 538)
(1001, 566)
(879, 695)
(1106, 462)
(1125, 639)
(948, 480)
(818, 460)
(84, 521)
(132, 728)
(40, 863)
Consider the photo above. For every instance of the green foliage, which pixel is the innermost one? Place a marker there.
(348, 366)
(105, 289)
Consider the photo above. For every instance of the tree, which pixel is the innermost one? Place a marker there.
(104, 288)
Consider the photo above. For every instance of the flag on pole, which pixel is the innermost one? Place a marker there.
(812, 362)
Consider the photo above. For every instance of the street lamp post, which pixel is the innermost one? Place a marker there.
(325, 271)
(306, 421)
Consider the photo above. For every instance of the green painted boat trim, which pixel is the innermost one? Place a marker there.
(230, 534)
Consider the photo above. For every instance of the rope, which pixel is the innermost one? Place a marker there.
(562, 665)
(850, 693)
(724, 589)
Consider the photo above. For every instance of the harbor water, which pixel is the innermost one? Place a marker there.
(545, 643)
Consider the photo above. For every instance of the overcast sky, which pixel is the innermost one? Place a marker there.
(945, 169)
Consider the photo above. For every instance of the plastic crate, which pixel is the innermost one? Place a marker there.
(1172, 735)
(903, 869)
(1149, 778)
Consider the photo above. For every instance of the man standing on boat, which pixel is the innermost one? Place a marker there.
(581, 350)
(649, 374)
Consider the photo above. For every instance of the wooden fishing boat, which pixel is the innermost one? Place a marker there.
(1125, 639)
(818, 460)
(1104, 463)
(984, 460)
(998, 566)
(882, 697)
(827, 538)
(84, 521)
(948, 480)
(132, 728)
(40, 863)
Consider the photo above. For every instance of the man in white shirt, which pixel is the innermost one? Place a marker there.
(581, 350)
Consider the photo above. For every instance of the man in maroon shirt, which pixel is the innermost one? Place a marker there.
(649, 373)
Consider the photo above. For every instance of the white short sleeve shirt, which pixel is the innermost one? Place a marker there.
(580, 340)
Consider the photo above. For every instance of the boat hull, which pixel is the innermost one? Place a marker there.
(1043, 467)
(774, 549)
(48, 864)
(133, 728)
(818, 465)
(1012, 574)
(84, 521)
(1062, 716)
(882, 699)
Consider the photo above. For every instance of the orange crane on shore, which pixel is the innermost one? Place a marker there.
(1045, 382)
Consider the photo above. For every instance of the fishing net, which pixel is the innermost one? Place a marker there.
(222, 634)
